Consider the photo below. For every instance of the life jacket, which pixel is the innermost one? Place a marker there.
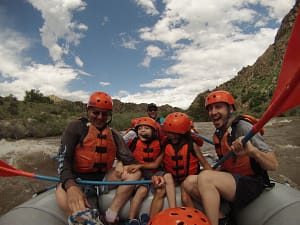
(243, 165)
(96, 151)
(180, 162)
(145, 152)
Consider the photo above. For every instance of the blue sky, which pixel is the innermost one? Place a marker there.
(139, 51)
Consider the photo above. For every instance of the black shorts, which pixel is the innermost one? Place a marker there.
(247, 189)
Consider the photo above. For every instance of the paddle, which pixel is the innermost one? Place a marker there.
(7, 170)
(286, 94)
(204, 138)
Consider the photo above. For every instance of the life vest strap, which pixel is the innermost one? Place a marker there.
(145, 159)
(101, 149)
(102, 136)
(148, 150)
(100, 165)
(177, 168)
(177, 157)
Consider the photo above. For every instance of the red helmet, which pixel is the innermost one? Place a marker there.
(177, 122)
(180, 216)
(220, 96)
(133, 121)
(146, 121)
(100, 100)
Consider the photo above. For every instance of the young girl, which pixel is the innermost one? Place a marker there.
(146, 148)
(181, 158)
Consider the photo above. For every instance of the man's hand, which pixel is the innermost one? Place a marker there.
(119, 170)
(238, 148)
(77, 201)
(133, 168)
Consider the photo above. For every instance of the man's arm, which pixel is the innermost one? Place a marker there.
(267, 160)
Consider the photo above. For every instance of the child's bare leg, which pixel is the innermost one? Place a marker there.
(137, 200)
(171, 191)
(158, 201)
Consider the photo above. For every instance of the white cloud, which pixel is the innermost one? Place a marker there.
(104, 21)
(58, 25)
(19, 73)
(210, 44)
(152, 51)
(49, 79)
(12, 44)
(148, 6)
(78, 61)
(102, 84)
(127, 41)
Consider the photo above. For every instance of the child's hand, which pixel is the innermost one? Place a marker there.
(133, 168)
(158, 181)
(119, 169)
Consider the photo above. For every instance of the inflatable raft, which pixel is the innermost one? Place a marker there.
(280, 205)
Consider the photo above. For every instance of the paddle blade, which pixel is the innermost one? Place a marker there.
(7, 170)
(289, 68)
(6, 165)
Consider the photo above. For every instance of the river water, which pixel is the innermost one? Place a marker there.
(38, 156)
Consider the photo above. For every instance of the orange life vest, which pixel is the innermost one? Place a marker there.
(236, 164)
(144, 152)
(243, 165)
(181, 163)
(97, 151)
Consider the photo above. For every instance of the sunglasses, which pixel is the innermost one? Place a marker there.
(97, 113)
(152, 110)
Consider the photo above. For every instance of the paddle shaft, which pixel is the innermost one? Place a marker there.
(204, 138)
(15, 172)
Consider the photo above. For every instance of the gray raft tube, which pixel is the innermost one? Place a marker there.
(278, 206)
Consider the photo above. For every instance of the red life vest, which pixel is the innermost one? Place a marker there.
(97, 151)
(144, 152)
(181, 163)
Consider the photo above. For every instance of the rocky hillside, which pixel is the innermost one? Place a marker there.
(253, 86)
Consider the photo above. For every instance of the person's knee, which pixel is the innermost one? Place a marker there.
(160, 193)
(189, 183)
(142, 191)
(168, 178)
(204, 177)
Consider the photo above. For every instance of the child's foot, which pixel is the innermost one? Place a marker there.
(134, 222)
(144, 218)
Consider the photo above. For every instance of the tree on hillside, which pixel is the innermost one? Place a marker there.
(35, 96)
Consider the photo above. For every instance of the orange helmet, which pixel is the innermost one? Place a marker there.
(100, 100)
(178, 216)
(146, 121)
(133, 121)
(177, 122)
(220, 96)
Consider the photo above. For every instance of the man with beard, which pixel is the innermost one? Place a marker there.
(243, 177)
